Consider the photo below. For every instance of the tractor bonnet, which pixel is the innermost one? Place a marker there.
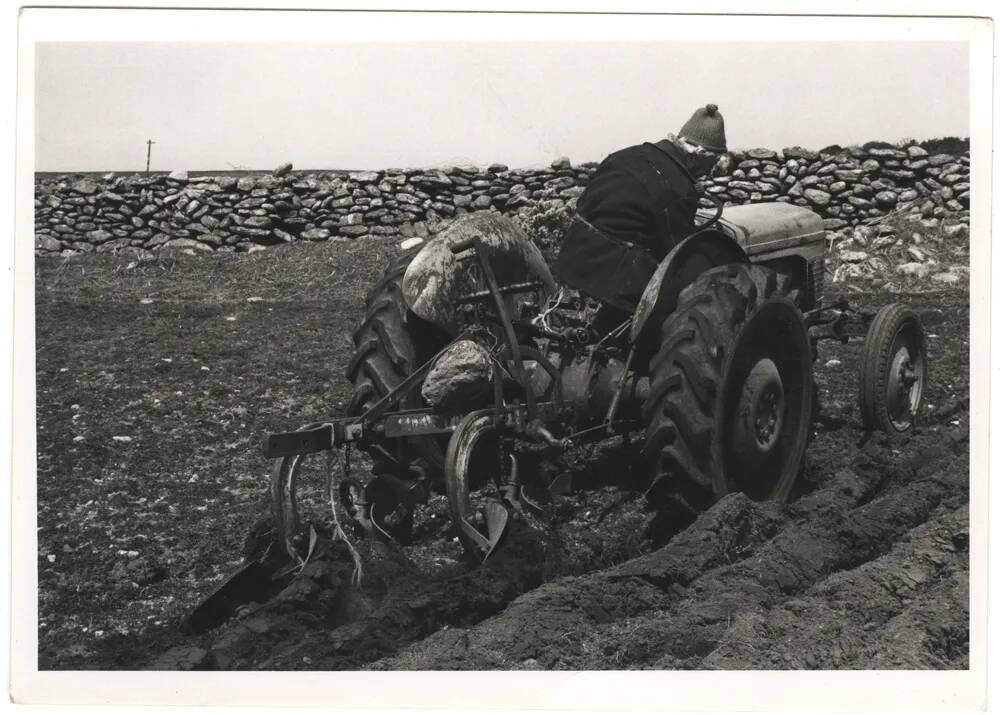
(767, 227)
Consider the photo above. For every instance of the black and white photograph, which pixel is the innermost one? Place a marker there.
(564, 342)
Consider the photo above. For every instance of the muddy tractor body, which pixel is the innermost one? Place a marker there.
(714, 368)
(469, 353)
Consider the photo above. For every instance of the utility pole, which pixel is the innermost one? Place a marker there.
(149, 150)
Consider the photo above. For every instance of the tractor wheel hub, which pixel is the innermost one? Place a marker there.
(761, 409)
(901, 378)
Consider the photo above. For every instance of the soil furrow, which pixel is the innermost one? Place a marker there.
(891, 612)
(670, 608)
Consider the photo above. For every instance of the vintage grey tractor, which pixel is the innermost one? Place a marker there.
(469, 352)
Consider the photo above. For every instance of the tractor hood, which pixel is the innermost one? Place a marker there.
(437, 281)
(764, 228)
(755, 231)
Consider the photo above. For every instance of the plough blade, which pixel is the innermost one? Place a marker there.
(456, 471)
(497, 517)
(255, 582)
(561, 485)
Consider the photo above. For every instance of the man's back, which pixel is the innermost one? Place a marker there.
(644, 195)
(638, 205)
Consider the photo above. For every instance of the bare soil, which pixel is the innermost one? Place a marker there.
(157, 381)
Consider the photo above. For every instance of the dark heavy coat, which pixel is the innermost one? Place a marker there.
(639, 204)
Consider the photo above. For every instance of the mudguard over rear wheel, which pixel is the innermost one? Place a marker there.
(731, 391)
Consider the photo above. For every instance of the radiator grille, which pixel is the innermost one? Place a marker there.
(815, 275)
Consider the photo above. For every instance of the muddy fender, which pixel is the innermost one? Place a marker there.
(437, 278)
(688, 259)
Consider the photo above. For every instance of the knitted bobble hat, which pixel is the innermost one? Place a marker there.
(706, 128)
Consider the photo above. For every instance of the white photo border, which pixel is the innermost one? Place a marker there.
(904, 691)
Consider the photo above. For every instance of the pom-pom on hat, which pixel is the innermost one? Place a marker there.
(706, 128)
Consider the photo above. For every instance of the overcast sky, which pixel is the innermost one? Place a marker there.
(324, 106)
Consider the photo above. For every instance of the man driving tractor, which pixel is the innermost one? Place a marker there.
(720, 342)
(638, 205)
(640, 202)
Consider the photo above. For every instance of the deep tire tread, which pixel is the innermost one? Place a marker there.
(686, 374)
(390, 344)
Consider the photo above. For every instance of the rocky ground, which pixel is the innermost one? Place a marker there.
(156, 380)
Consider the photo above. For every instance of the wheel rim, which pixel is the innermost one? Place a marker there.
(905, 378)
(759, 414)
(766, 397)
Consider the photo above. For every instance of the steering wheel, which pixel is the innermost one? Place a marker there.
(715, 219)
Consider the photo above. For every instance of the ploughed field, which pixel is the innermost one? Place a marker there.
(157, 380)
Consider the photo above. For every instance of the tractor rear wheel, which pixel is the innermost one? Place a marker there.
(731, 391)
(390, 344)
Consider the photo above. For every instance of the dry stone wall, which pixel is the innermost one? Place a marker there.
(846, 186)
(141, 215)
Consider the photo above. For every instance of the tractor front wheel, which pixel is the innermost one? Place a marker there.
(893, 371)
(731, 390)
